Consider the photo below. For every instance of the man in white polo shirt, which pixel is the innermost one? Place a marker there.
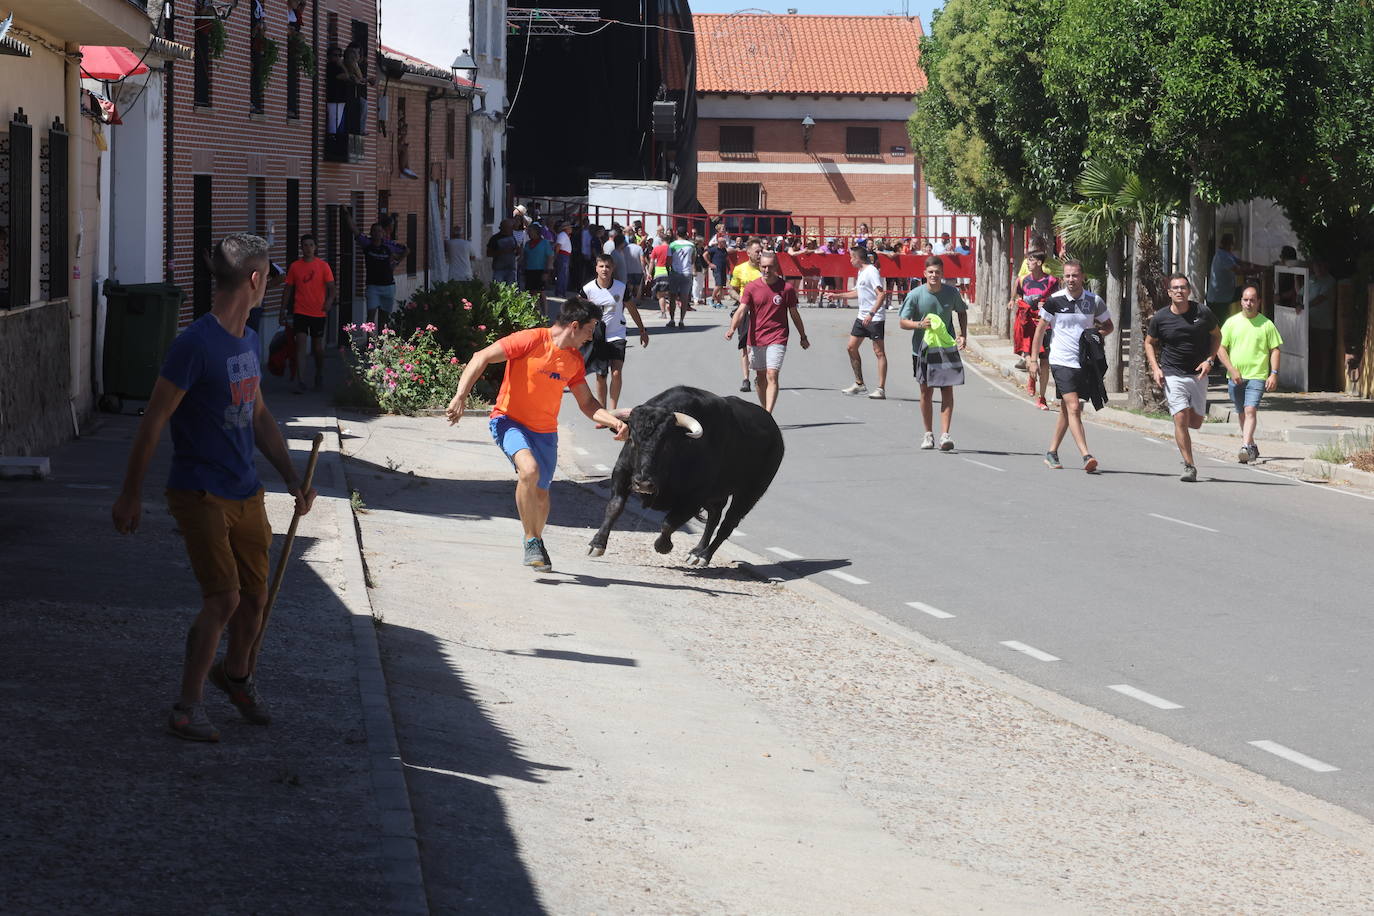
(606, 352)
(870, 323)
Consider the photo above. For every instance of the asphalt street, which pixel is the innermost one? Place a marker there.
(1231, 614)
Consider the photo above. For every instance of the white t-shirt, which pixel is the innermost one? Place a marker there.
(609, 247)
(870, 284)
(564, 243)
(635, 258)
(1069, 318)
(459, 253)
(612, 302)
(938, 248)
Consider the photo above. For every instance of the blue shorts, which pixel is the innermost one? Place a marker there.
(1247, 394)
(512, 437)
(381, 298)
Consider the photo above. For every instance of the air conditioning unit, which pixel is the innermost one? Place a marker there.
(665, 120)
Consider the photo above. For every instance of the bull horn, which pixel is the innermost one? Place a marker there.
(688, 423)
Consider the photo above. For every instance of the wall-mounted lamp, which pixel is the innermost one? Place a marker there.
(464, 61)
(807, 123)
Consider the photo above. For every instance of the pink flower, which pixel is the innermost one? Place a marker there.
(350, 327)
(481, 327)
(430, 327)
(453, 361)
(392, 386)
(369, 326)
(467, 306)
(410, 305)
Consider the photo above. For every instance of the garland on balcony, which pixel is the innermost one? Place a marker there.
(299, 53)
(264, 70)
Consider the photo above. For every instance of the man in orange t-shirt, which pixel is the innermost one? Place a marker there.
(540, 364)
(310, 291)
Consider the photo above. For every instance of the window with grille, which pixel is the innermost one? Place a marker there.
(204, 29)
(257, 57)
(16, 271)
(451, 133)
(738, 195)
(293, 219)
(861, 141)
(737, 140)
(58, 262)
(202, 242)
(412, 231)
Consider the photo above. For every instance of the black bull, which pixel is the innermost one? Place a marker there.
(688, 451)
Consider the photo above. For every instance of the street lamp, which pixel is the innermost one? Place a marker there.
(464, 61)
(807, 123)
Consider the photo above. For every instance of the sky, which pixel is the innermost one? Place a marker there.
(921, 8)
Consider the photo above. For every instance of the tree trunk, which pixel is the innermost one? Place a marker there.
(1149, 295)
(1016, 251)
(1116, 270)
(1201, 217)
(1042, 225)
(983, 273)
(998, 291)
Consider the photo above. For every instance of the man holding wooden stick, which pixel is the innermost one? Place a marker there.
(208, 391)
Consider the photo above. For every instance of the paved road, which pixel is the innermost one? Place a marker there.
(1232, 614)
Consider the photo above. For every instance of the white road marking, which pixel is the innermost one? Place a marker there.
(1030, 650)
(1219, 461)
(927, 609)
(1154, 440)
(988, 466)
(1138, 694)
(1307, 483)
(738, 534)
(848, 417)
(785, 554)
(1292, 756)
(581, 451)
(1179, 521)
(603, 469)
(846, 577)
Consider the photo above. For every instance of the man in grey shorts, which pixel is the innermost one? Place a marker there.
(1188, 336)
(766, 304)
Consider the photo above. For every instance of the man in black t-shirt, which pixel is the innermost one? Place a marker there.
(380, 256)
(1181, 344)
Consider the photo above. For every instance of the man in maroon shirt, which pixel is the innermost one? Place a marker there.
(768, 301)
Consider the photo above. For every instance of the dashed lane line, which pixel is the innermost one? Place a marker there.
(1030, 650)
(846, 577)
(785, 554)
(990, 467)
(581, 451)
(1154, 440)
(1179, 521)
(603, 468)
(1292, 756)
(928, 609)
(1136, 693)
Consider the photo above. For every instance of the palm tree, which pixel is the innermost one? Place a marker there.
(1117, 203)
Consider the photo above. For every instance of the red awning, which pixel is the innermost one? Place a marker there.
(103, 63)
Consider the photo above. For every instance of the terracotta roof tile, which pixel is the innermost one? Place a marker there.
(826, 55)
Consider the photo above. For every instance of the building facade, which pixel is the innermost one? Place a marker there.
(793, 114)
(49, 214)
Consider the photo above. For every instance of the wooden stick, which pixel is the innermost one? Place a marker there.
(280, 571)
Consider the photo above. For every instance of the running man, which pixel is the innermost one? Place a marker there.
(682, 266)
(1180, 344)
(870, 323)
(209, 391)
(1250, 352)
(1065, 315)
(658, 259)
(940, 368)
(310, 292)
(607, 348)
(540, 363)
(746, 272)
(764, 309)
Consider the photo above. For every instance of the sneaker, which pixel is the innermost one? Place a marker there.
(1030, 385)
(1254, 453)
(191, 723)
(535, 557)
(1020, 364)
(946, 443)
(746, 386)
(856, 388)
(1244, 456)
(244, 695)
(928, 440)
(1041, 403)
(878, 394)
(1090, 464)
(680, 324)
(544, 554)
(1189, 474)
(1052, 460)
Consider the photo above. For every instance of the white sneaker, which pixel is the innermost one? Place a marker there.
(928, 440)
(946, 443)
(856, 388)
(878, 394)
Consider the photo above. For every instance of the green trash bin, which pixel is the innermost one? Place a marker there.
(140, 324)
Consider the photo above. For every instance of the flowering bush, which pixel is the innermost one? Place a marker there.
(468, 315)
(406, 373)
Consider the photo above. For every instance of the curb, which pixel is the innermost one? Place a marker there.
(1338, 473)
(1322, 817)
(400, 847)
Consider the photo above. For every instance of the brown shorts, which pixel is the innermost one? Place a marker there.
(227, 540)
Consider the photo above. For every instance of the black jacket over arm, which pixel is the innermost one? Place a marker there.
(1092, 356)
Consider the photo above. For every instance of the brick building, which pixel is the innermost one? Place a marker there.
(250, 143)
(422, 174)
(808, 113)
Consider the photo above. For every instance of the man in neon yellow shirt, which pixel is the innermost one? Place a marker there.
(745, 272)
(1250, 352)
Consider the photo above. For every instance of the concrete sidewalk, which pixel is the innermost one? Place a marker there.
(106, 811)
(628, 735)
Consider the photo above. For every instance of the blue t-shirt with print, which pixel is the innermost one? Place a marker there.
(212, 427)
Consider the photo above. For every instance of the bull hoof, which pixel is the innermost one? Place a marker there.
(595, 551)
(663, 544)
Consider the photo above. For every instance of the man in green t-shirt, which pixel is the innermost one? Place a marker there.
(1250, 352)
(936, 367)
